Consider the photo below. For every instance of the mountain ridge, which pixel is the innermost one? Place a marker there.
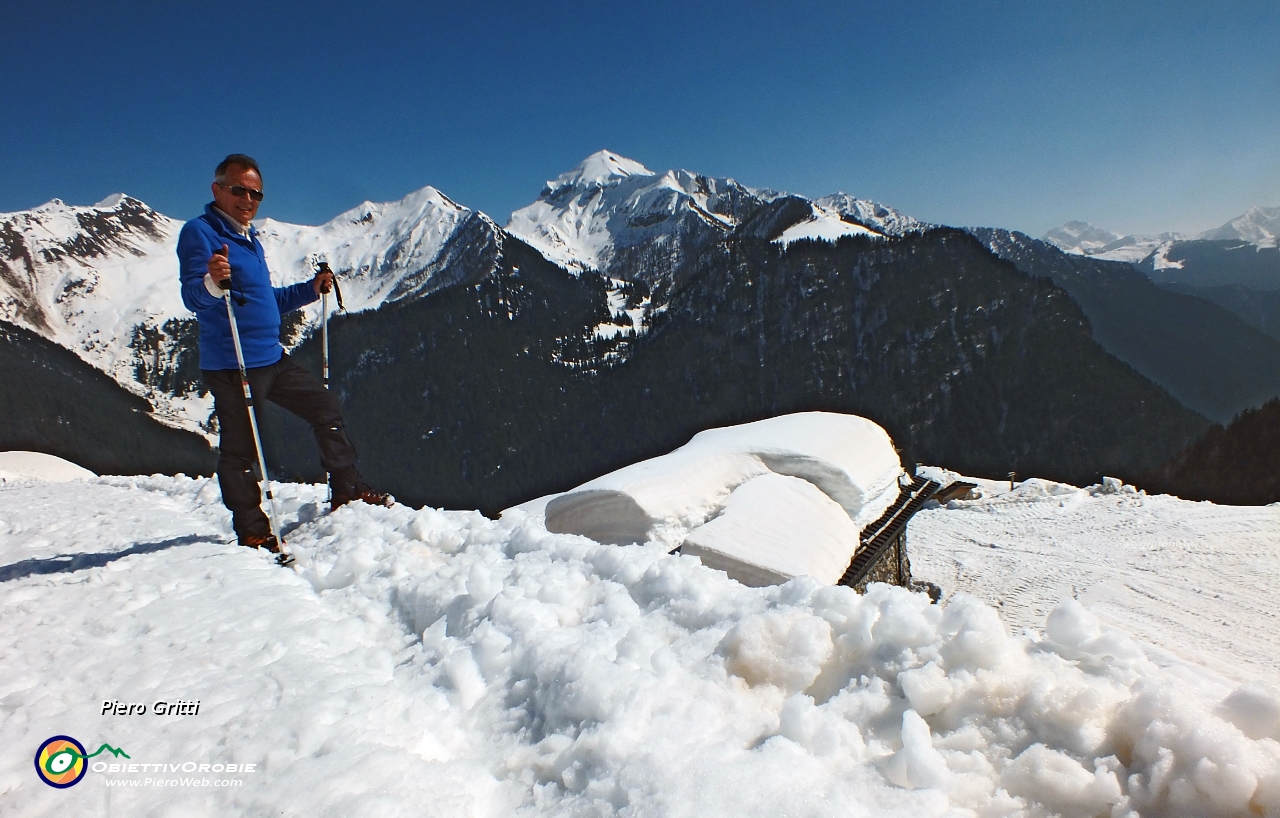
(635, 245)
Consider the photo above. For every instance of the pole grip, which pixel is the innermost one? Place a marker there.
(224, 284)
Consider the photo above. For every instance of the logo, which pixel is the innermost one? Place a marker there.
(60, 761)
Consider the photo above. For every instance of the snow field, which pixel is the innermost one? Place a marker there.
(824, 224)
(1195, 580)
(439, 663)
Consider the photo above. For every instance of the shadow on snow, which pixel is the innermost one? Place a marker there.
(67, 563)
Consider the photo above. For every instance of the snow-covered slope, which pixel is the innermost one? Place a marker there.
(1191, 579)
(872, 215)
(610, 211)
(440, 663)
(102, 281)
(825, 224)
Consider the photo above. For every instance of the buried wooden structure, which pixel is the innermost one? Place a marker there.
(882, 549)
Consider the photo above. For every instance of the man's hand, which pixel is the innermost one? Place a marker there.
(220, 268)
(323, 282)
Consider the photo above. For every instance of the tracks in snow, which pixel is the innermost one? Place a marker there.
(1193, 579)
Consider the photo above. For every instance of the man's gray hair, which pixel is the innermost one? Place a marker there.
(239, 160)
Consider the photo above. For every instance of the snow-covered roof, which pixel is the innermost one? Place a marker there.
(764, 501)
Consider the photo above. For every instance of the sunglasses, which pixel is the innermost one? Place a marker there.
(240, 192)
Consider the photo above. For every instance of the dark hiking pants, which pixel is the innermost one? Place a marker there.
(297, 390)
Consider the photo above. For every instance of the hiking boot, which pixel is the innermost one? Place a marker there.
(347, 485)
(363, 493)
(266, 542)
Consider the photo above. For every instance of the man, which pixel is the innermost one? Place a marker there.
(222, 246)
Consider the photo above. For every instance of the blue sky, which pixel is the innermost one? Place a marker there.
(1141, 117)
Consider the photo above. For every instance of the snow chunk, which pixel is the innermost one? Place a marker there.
(786, 649)
(1254, 710)
(1060, 782)
(917, 764)
(36, 466)
(841, 471)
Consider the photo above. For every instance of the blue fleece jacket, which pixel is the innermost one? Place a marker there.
(258, 305)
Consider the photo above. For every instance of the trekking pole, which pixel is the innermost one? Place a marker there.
(225, 284)
(323, 267)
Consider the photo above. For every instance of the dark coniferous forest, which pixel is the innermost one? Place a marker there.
(1236, 465)
(53, 402)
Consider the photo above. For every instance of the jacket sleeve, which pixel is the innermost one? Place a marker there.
(294, 296)
(194, 250)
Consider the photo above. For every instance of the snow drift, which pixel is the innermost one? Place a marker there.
(16, 466)
(763, 501)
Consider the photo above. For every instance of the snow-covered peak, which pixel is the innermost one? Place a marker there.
(111, 201)
(614, 215)
(1259, 225)
(373, 246)
(600, 169)
(113, 224)
(611, 208)
(424, 202)
(1080, 237)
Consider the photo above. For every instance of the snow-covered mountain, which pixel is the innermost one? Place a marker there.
(1259, 225)
(102, 280)
(98, 281)
(1207, 357)
(872, 215)
(381, 251)
(1084, 239)
(1236, 266)
(613, 215)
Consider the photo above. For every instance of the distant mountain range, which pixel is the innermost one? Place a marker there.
(624, 309)
(1236, 266)
(1208, 357)
(1259, 226)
